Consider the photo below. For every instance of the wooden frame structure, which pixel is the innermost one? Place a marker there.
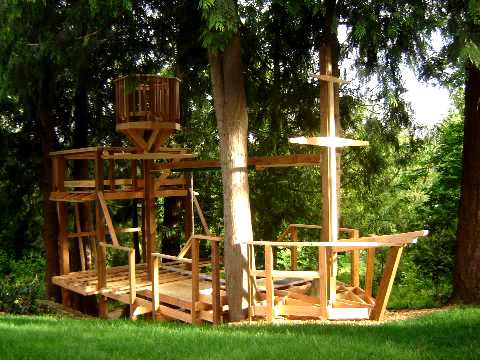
(184, 286)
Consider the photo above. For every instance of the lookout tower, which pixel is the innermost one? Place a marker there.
(147, 109)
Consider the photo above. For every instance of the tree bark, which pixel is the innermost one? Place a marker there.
(467, 266)
(232, 122)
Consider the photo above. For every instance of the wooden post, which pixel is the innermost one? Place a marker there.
(294, 249)
(394, 255)
(328, 169)
(150, 223)
(132, 282)
(155, 288)
(100, 234)
(217, 308)
(195, 279)
(323, 281)
(62, 213)
(369, 272)
(269, 283)
(251, 300)
(355, 263)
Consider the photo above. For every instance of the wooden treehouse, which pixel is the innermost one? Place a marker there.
(185, 286)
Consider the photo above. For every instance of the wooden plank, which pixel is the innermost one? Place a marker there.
(254, 161)
(107, 217)
(288, 274)
(386, 284)
(148, 156)
(75, 151)
(171, 257)
(299, 310)
(327, 141)
(369, 272)
(269, 283)
(329, 78)
(175, 314)
(150, 125)
(195, 279)
(132, 282)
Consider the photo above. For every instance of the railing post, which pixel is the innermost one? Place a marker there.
(294, 250)
(132, 282)
(100, 234)
(369, 272)
(217, 307)
(155, 288)
(195, 279)
(269, 283)
(355, 263)
(250, 281)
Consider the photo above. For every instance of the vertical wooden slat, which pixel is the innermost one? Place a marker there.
(250, 282)
(100, 234)
(217, 309)
(195, 279)
(369, 272)
(394, 255)
(355, 263)
(269, 283)
(132, 282)
(323, 281)
(294, 249)
(155, 288)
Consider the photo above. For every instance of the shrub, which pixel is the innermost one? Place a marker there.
(20, 283)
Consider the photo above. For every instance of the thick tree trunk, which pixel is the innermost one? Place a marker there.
(467, 266)
(232, 121)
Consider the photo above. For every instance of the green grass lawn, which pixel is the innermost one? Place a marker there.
(442, 335)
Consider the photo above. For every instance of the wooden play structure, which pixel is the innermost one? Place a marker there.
(187, 286)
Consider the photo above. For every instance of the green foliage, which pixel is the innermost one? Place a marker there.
(222, 22)
(20, 283)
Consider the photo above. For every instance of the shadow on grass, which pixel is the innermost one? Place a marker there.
(448, 335)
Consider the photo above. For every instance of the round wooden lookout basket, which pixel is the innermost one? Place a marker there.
(147, 108)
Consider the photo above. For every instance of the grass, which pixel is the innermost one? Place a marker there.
(443, 335)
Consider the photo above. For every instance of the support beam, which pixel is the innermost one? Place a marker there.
(386, 283)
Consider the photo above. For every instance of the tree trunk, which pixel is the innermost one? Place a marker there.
(232, 121)
(467, 266)
(50, 225)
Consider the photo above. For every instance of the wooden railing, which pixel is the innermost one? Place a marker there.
(292, 231)
(197, 307)
(102, 273)
(321, 308)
